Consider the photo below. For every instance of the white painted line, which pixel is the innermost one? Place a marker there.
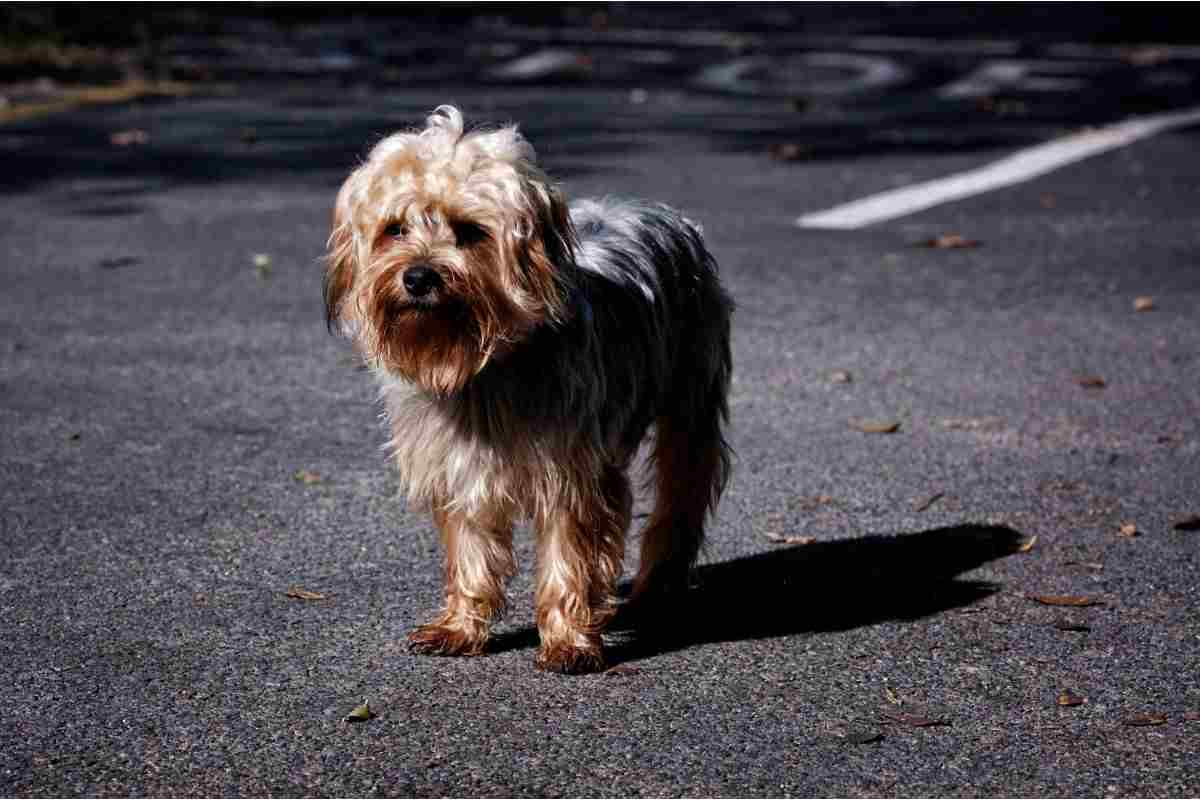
(1017, 168)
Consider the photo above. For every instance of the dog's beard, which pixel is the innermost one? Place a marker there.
(484, 302)
(435, 343)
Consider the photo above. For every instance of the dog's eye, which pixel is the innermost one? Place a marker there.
(397, 230)
(467, 234)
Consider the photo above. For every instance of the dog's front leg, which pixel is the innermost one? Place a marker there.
(579, 561)
(479, 561)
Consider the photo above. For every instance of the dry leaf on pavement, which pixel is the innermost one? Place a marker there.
(780, 539)
(129, 138)
(1144, 720)
(875, 425)
(307, 476)
(621, 671)
(926, 503)
(950, 241)
(360, 713)
(1065, 600)
(790, 151)
(913, 720)
(303, 594)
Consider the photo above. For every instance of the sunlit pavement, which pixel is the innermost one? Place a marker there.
(959, 553)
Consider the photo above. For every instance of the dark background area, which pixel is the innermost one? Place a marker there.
(142, 37)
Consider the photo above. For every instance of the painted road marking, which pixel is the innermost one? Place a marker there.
(1017, 168)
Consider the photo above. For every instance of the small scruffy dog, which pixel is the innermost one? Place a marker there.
(524, 348)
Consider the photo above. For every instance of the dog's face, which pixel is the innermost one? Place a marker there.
(445, 252)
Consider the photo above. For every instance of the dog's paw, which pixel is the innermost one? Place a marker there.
(568, 660)
(439, 640)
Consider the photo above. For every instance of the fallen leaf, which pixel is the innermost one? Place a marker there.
(778, 539)
(621, 671)
(891, 696)
(1144, 720)
(1187, 524)
(1071, 625)
(1146, 56)
(924, 505)
(1090, 381)
(303, 594)
(1065, 600)
(864, 737)
(307, 476)
(950, 241)
(360, 713)
(262, 265)
(790, 151)
(129, 137)
(1085, 564)
(875, 425)
(1027, 545)
(913, 720)
(1143, 304)
(841, 376)
(1069, 698)
(1128, 530)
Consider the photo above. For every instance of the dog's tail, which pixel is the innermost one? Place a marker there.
(691, 457)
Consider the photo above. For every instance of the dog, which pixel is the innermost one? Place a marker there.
(524, 348)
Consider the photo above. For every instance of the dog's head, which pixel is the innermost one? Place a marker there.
(446, 251)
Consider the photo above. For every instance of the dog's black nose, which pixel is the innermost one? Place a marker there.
(420, 280)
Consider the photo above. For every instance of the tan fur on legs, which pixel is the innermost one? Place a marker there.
(478, 563)
(580, 553)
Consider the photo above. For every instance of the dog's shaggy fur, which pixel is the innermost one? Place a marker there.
(525, 348)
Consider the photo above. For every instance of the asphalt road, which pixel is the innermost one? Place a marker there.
(182, 444)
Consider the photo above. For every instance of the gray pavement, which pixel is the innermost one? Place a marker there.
(182, 444)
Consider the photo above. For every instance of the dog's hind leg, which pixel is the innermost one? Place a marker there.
(690, 458)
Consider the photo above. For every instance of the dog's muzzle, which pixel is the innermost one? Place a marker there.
(420, 280)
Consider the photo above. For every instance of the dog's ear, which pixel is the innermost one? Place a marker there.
(339, 259)
(551, 247)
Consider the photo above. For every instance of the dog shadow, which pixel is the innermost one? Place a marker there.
(811, 588)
